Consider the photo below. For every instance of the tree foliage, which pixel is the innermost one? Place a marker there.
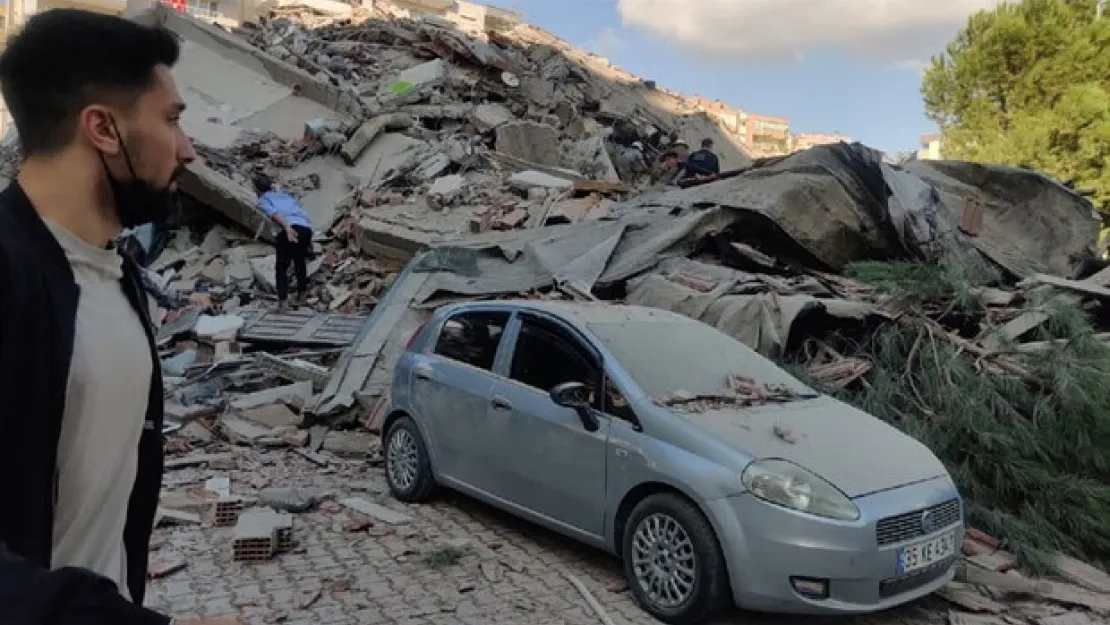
(1024, 432)
(1028, 84)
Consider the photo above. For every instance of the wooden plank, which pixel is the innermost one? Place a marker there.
(1082, 574)
(961, 618)
(601, 186)
(303, 328)
(1069, 618)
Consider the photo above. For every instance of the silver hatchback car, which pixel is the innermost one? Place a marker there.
(709, 471)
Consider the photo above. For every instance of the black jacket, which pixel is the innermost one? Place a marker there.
(702, 162)
(38, 308)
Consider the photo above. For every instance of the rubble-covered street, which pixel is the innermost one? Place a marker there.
(361, 557)
(438, 162)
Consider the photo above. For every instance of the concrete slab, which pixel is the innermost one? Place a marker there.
(286, 118)
(220, 92)
(386, 153)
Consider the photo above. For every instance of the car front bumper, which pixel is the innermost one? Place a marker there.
(766, 547)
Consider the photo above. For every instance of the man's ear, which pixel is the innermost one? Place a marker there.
(95, 124)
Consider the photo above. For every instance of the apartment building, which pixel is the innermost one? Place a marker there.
(930, 148)
(807, 140)
(768, 135)
(466, 15)
(225, 12)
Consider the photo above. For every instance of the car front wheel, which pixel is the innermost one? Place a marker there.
(673, 561)
(408, 471)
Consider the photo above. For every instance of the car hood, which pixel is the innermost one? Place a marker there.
(856, 452)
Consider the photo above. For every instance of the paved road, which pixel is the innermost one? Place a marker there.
(507, 571)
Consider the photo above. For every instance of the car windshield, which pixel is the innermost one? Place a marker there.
(672, 358)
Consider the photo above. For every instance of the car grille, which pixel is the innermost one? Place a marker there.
(902, 527)
(898, 585)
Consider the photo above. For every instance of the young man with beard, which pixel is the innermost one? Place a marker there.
(97, 113)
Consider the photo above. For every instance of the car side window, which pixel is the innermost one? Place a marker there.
(616, 404)
(546, 356)
(472, 338)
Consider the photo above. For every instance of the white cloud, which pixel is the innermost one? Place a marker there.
(887, 30)
(916, 66)
(605, 42)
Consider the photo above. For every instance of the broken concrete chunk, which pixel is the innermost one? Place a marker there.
(296, 394)
(177, 517)
(349, 444)
(490, 115)
(209, 326)
(447, 188)
(242, 431)
(525, 180)
(367, 132)
(287, 499)
(219, 485)
(530, 141)
(381, 513)
(177, 364)
(273, 416)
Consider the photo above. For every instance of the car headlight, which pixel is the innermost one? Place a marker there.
(786, 484)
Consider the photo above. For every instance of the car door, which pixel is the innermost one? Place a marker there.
(548, 461)
(451, 388)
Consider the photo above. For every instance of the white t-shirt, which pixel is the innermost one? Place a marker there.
(106, 402)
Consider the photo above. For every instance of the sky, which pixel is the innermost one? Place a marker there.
(847, 66)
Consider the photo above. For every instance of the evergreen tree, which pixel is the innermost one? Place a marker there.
(1028, 84)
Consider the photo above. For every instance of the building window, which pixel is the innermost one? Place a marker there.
(202, 8)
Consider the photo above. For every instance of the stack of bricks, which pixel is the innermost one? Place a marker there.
(260, 533)
(226, 511)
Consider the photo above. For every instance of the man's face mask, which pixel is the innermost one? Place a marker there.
(138, 201)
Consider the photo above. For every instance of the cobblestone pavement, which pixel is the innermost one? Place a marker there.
(456, 561)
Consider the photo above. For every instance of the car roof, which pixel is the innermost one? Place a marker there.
(588, 312)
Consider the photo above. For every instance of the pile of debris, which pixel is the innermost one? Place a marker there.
(958, 301)
(408, 131)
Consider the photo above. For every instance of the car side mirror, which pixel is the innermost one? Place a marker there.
(570, 395)
(573, 395)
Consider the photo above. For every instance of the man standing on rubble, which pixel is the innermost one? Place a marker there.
(294, 242)
(97, 113)
(670, 170)
(631, 162)
(703, 163)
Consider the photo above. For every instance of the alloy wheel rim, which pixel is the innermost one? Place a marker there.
(401, 457)
(663, 560)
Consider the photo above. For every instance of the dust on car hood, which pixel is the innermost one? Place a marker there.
(856, 452)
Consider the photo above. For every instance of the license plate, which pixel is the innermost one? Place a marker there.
(922, 554)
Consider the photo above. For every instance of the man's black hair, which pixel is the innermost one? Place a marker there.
(706, 143)
(262, 183)
(63, 60)
(670, 154)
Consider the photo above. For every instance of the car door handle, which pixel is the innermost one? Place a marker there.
(500, 403)
(423, 373)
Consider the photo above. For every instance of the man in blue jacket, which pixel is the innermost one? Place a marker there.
(81, 450)
(294, 242)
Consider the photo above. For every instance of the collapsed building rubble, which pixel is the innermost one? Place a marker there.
(438, 166)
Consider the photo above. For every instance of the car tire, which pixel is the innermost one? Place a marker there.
(408, 470)
(694, 539)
